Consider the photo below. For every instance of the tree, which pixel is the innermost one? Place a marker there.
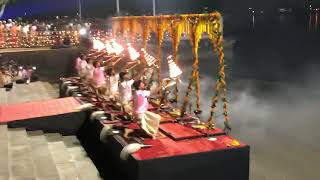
(3, 4)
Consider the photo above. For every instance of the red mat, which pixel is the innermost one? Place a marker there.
(178, 131)
(38, 109)
(167, 147)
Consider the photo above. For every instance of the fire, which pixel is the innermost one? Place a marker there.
(151, 61)
(109, 48)
(134, 55)
(98, 45)
(118, 49)
(113, 47)
(174, 70)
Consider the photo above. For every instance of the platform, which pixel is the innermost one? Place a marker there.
(57, 115)
(45, 59)
(167, 159)
(180, 152)
(7, 50)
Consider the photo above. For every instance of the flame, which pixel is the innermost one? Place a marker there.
(134, 55)
(151, 61)
(118, 49)
(174, 70)
(113, 47)
(109, 48)
(98, 45)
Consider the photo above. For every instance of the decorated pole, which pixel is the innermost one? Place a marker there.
(118, 7)
(161, 27)
(154, 7)
(80, 10)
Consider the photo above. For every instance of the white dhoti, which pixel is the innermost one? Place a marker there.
(150, 122)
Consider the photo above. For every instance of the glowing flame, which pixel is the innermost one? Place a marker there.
(151, 61)
(118, 49)
(98, 45)
(82, 31)
(174, 70)
(109, 48)
(134, 55)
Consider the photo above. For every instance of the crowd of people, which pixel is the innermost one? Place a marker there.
(22, 34)
(130, 89)
(11, 72)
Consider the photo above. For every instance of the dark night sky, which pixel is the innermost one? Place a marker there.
(103, 8)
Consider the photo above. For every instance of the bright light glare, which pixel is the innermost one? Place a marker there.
(118, 49)
(134, 55)
(174, 70)
(98, 45)
(83, 32)
(149, 59)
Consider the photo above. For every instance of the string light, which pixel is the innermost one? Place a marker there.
(26, 39)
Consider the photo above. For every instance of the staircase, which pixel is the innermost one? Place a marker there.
(33, 155)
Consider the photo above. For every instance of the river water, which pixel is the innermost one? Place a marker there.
(273, 68)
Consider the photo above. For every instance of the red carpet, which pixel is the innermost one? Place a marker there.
(37, 109)
(166, 147)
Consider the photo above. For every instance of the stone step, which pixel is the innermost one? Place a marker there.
(53, 137)
(20, 162)
(3, 132)
(64, 162)
(4, 170)
(17, 137)
(52, 91)
(44, 165)
(78, 154)
(87, 170)
(33, 155)
(59, 152)
(84, 166)
(22, 178)
(68, 171)
(69, 155)
(71, 141)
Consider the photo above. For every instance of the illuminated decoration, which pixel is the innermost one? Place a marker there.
(109, 48)
(151, 61)
(118, 49)
(193, 26)
(82, 31)
(98, 45)
(134, 55)
(23, 38)
(174, 70)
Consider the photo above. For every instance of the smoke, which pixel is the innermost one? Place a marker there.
(278, 119)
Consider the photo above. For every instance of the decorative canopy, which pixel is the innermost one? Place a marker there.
(193, 26)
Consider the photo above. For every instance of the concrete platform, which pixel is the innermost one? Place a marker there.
(35, 91)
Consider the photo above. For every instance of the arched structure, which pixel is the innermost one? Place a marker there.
(193, 25)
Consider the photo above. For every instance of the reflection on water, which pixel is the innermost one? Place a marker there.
(258, 19)
(313, 21)
(274, 99)
(273, 46)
